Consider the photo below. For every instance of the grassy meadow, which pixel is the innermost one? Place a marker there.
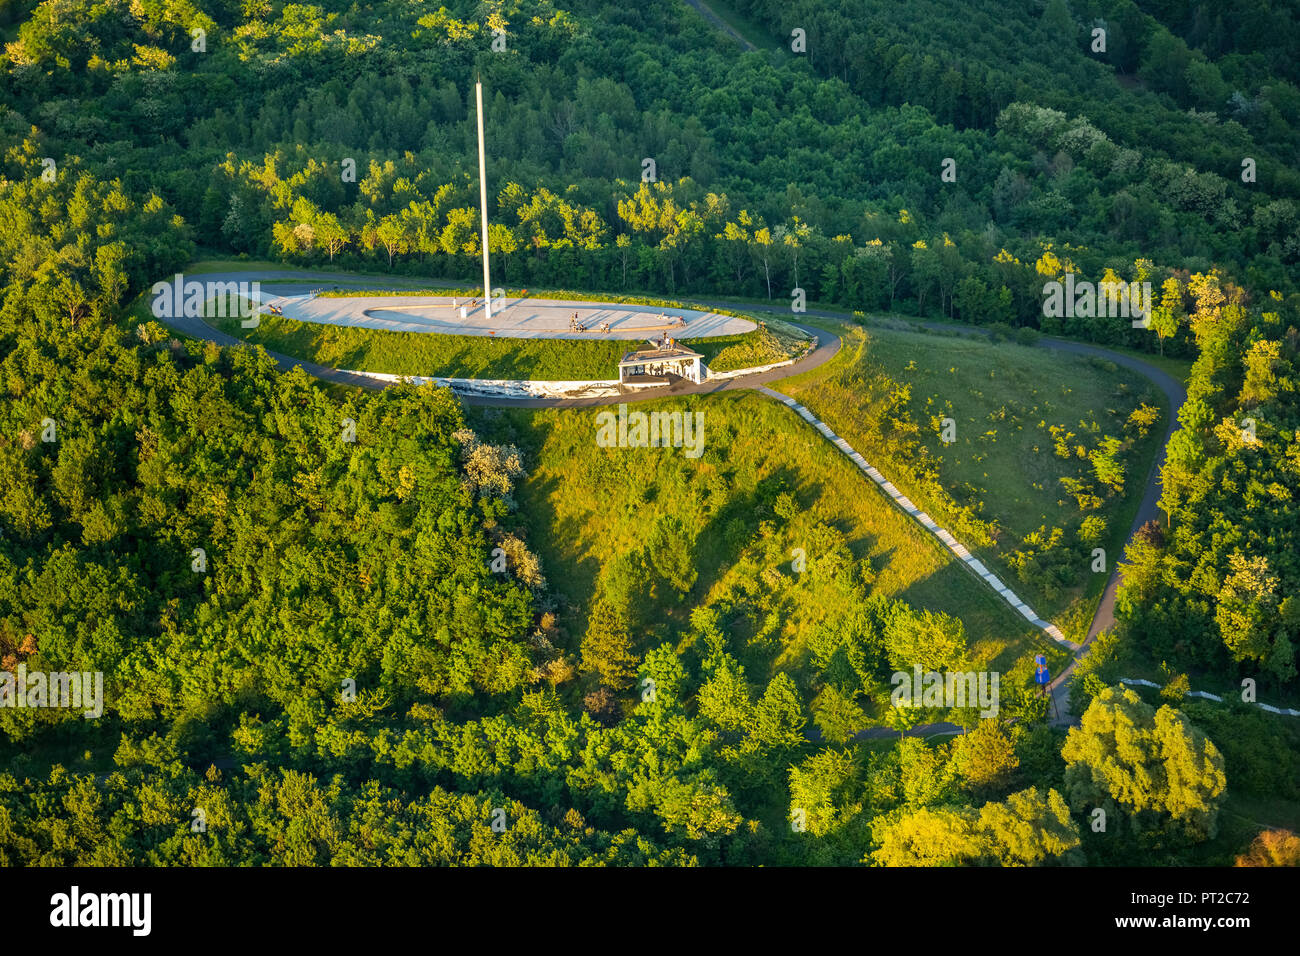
(420, 353)
(589, 512)
(775, 342)
(1018, 482)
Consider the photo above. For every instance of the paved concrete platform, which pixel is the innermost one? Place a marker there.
(519, 319)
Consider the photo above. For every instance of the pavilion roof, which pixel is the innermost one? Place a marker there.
(642, 356)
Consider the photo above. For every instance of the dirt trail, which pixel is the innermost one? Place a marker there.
(717, 22)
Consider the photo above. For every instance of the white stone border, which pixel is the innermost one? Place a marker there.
(517, 388)
(808, 349)
(904, 504)
(525, 388)
(528, 388)
(1206, 695)
(712, 376)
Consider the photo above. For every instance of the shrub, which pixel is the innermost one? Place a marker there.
(1092, 530)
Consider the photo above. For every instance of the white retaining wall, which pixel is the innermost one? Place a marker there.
(514, 388)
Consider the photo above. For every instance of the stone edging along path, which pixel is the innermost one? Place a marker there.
(521, 389)
(825, 345)
(943, 536)
(1205, 695)
(904, 504)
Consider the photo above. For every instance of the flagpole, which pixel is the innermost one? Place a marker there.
(482, 192)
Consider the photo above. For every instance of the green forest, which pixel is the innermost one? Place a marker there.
(345, 626)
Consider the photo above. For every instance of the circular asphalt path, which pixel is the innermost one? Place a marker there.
(827, 345)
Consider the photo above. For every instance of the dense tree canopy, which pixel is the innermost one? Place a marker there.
(325, 633)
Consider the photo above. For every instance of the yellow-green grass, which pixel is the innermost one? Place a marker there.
(1000, 480)
(468, 357)
(1174, 366)
(586, 508)
(422, 353)
(772, 343)
(775, 341)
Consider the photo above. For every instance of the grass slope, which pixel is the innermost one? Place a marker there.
(772, 343)
(420, 353)
(588, 509)
(999, 485)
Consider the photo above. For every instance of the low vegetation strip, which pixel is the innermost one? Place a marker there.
(1034, 457)
(772, 343)
(948, 541)
(425, 354)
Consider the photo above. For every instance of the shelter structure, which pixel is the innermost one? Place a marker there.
(661, 363)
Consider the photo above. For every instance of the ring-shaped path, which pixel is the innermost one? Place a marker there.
(827, 345)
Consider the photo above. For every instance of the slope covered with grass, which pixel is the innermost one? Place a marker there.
(1048, 457)
(418, 353)
(670, 535)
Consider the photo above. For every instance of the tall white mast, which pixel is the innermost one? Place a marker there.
(482, 193)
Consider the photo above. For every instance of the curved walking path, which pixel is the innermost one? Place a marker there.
(827, 346)
(511, 318)
(1148, 510)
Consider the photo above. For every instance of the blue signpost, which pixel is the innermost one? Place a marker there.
(1042, 677)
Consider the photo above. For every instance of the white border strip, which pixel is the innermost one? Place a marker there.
(1205, 695)
(907, 507)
